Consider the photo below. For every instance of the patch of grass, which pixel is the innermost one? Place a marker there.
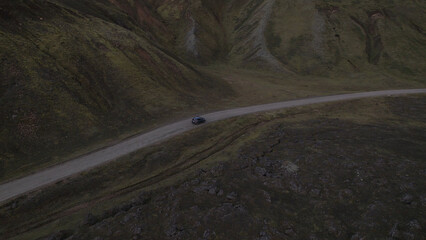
(257, 86)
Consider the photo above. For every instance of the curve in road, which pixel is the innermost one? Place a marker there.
(56, 173)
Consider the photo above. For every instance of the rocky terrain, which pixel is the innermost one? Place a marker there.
(334, 175)
(291, 184)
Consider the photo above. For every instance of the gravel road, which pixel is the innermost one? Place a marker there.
(51, 175)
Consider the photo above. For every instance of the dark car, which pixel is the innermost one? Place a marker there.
(198, 120)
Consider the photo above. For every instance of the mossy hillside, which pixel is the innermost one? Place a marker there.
(323, 37)
(169, 23)
(69, 78)
(76, 71)
(318, 37)
(211, 30)
(244, 27)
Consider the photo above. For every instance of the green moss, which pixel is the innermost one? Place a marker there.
(349, 28)
(73, 80)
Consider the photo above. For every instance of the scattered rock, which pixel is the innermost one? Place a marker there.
(290, 167)
(64, 234)
(101, 225)
(423, 200)
(212, 191)
(290, 232)
(227, 205)
(220, 193)
(408, 236)
(217, 171)
(260, 171)
(208, 234)
(195, 208)
(263, 236)
(239, 207)
(232, 196)
(202, 172)
(90, 220)
(174, 230)
(267, 196)
(128, 217)
(200, 189)
(407, 186)
(357, 236)
(110, 213)
(335, 228)
(203, 187)
(407, 198)
(296, 186)
(137, 231)
(315, 192)
(144, 198)
(414, 225)
(14, 205)
(394, 232)
(126, 207)
(195, 181)
(313, 237)
(345, 194)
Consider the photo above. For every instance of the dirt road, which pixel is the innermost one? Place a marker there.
(51, 175)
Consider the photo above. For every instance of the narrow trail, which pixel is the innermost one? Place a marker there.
(54, 174)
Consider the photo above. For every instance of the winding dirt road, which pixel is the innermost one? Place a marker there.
(51, 175)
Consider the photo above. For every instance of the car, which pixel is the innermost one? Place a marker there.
(198, 120)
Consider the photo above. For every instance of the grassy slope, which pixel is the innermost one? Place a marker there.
(352, 135)
(170, 21)
(74, 74)
(354, 44)
(381, 40)
(361, 38)
(238, 46)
